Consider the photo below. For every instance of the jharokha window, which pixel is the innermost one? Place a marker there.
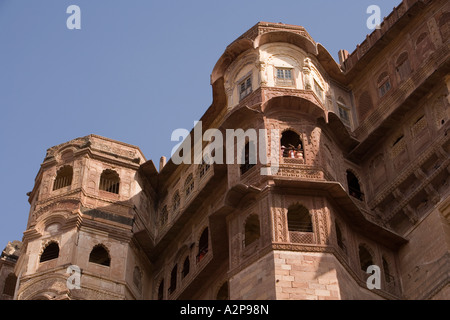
(110, 181)
(291, 145)
(63, 178)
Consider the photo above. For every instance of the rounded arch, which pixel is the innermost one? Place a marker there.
(54, 216)
(291, 144)
(100, 255)
(109, 181)
(421, 38)
(299, 218)
(382, 77)
(402, 57)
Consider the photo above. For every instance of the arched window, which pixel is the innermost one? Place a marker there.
(222, 294)
(137, 278)
(63, 178)
(173, 279)
(354, 188)
(421, 38)
(161, 290)
(110, 181)
(186, 267)
(249, 157)
(252, 230)
(299, 219)
(10, 285)
(203, 245)
(50, 252)
(384, 84)
(189, 185)
(340, 238)
(365, 258)
(176, 201)
(403, 66)
(100, 255)
(291, 145)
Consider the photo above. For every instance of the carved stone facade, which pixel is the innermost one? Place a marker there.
(363, 168)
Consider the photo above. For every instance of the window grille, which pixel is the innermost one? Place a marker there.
(63, 178)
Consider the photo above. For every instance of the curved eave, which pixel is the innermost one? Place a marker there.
(231, 53)
(293, 103)
(339, 131)
(237, 115)
(332, 68)
(303, 42)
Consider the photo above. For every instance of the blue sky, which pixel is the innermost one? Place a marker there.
(136, 71)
